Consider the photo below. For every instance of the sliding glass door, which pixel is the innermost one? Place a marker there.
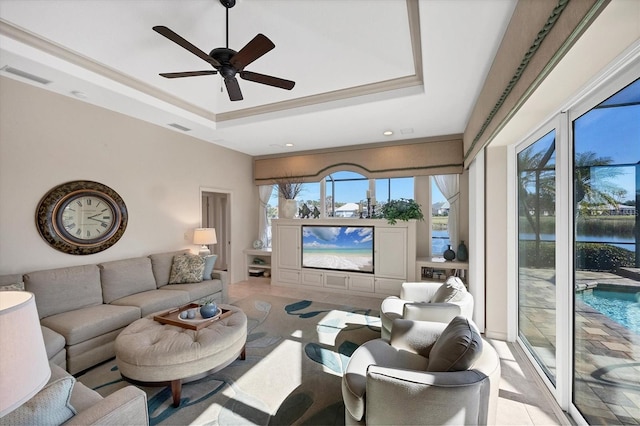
(536, 251)
(578, 229)
(606, 170)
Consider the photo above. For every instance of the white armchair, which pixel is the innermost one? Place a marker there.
(428, 373)
(427, 301)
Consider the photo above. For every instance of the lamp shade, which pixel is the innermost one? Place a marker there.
(24, 366)
(204, 236)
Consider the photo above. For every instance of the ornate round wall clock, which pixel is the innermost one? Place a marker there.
(81, 217)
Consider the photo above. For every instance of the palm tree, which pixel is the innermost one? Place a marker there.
(586, 194)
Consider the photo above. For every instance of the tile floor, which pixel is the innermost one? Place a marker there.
(523, 398)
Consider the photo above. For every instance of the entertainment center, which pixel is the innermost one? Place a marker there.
(354, 256)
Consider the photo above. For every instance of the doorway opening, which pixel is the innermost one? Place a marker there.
(216, 213)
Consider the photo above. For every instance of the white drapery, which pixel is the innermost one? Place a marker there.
(449, 185)
(264, 192)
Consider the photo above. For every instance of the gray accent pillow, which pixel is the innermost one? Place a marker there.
(50, 406)
(187, 268)
(457, 348)
(19, 286)
(161, 265)
(209, 262)
(453, 290)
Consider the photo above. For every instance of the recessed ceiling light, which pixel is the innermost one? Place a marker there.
(288, 145)
(387, 133)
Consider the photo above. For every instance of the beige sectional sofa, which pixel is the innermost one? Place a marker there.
(83, 308)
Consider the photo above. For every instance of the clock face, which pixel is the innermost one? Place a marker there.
(81, 217)
(86, 217)
(257, 244)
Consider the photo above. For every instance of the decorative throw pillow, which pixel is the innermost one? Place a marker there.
(50, 406)
(457, 348)
(209, 262)
(453, 290)
(186, 268)
(19, 286)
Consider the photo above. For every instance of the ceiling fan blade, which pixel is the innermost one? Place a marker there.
(187, 74)
(233, 88)
(252, 51)
(267, 79)
(179, 40)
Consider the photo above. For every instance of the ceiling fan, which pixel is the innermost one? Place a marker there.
(227, 61)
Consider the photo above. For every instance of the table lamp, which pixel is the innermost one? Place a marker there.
(24, 366)
(204, 237)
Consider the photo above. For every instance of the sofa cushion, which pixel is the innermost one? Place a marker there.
(161, 265)
(186, 268)
(50, 406)
(53, 342)
(154, 300)
(64, 289)
(198, 290)
(122, 278)
(83, 324)
(456, 349)
(209, 263)
(453, 290)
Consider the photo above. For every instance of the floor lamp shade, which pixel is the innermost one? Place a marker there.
(24, 366)
(203, 237)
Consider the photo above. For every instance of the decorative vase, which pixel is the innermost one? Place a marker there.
(208, 310)
(463, 254)
(289, 209)
(449, 254)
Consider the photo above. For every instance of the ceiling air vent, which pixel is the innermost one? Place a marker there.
(179, 127)
(26, 75)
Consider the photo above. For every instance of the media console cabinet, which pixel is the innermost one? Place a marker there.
(394, 258)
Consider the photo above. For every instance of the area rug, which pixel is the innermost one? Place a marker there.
(297, 351)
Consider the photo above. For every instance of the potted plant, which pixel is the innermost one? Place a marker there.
(403, 209)
(288, 190)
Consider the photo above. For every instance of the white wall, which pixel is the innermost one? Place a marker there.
(496, 243)
(48, 139)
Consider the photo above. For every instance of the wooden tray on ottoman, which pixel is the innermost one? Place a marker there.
(172, 317)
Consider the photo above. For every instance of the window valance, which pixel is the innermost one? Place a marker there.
(416, 157)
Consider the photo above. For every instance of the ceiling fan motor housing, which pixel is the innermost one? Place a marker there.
(228, 3)
(223, 55)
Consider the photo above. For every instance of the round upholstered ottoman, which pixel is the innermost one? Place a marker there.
(151, 353)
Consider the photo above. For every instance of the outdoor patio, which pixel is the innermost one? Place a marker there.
(607, 360)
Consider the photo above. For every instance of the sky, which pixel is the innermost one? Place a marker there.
(610, 131)
(337, 237)
(356, 191)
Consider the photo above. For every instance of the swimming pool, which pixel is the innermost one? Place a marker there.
(621, 306)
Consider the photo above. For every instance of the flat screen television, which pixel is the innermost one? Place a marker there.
(340, 248)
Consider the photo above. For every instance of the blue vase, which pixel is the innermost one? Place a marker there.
(208, 310)
(463, 254)
(449, 254)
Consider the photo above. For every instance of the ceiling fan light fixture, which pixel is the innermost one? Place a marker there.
(227, 62)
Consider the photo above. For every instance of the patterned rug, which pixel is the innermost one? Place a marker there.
(297, 351)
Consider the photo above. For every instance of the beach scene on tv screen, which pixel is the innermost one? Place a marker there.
(341, 247)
